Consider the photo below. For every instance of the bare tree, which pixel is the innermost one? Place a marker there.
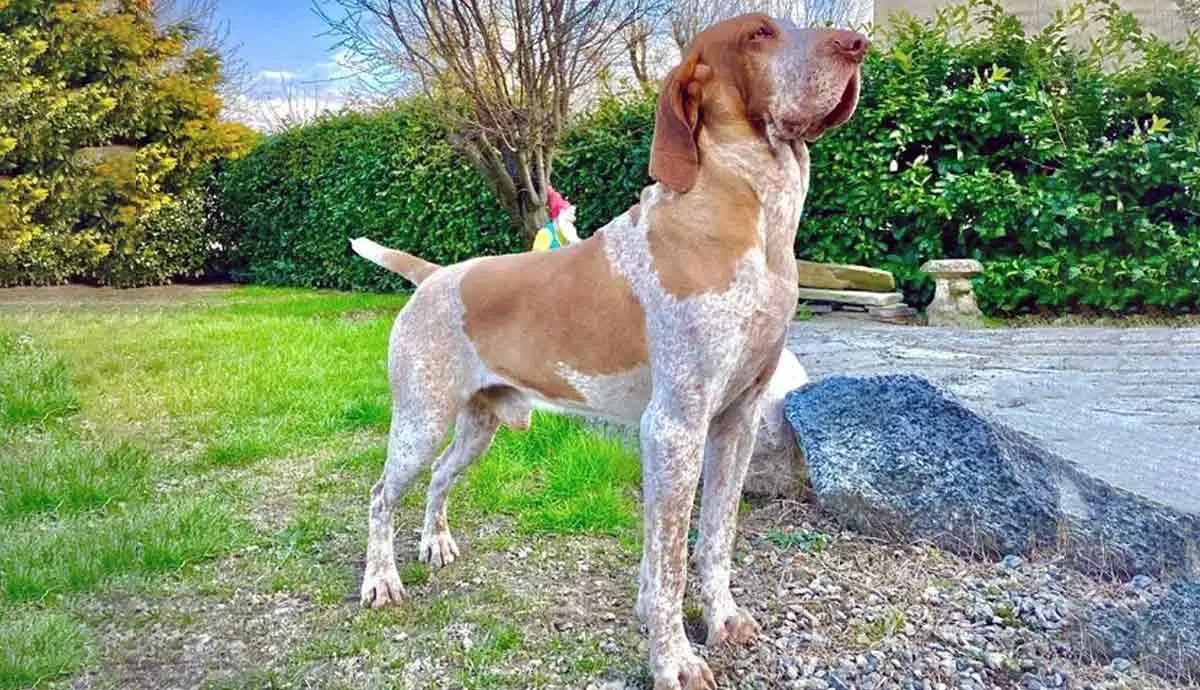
(853, 14)
(637, 46)
(689, 17)
(285, 105)
(506, 70)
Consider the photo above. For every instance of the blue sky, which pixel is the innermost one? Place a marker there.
(276, 35)
(280, 43)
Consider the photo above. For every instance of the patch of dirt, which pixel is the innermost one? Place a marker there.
(519, 611)
(188, 640)
(356, 315)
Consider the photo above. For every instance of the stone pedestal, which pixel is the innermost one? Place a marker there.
(953, 299)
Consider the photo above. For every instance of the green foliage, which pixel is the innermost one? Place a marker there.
(292, 204)
(106, 125)
(1067, 167)
(804, 540)
(168, 242)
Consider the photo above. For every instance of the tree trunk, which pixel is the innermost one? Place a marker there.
(637, 45)
(529, 222)
(519, 181)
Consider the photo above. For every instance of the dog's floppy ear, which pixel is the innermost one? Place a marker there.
(674, 158)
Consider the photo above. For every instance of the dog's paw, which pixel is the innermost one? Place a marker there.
(438, 549)
(382, 589)
(736, 627)
(685, 671)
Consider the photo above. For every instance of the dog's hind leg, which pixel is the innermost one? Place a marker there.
(419, 423)
(473, 431)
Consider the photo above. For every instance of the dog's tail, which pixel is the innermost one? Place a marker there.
(414, 269)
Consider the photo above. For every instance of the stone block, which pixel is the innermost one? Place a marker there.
(854, 297)
(844, 277)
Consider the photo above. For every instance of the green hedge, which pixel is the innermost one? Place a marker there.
(290, 206)
(604, 160)
(1077, 186)
(285, 211)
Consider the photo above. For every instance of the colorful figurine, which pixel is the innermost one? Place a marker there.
(560, 231)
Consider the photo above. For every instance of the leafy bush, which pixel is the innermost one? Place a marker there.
(172, 241)
(1067, 166)
(106, 123)
(290, 206)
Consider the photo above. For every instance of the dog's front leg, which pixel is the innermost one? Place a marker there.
(672, 452)
(727, 457)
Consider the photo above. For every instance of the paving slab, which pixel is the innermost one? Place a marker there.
(866, 299)
(1124, 404)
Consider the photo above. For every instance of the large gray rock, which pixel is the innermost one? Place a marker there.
(1121, 403)
(895, 456)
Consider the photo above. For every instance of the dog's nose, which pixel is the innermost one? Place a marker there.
(851, 44)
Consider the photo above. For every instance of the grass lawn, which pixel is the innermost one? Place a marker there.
(183, 500)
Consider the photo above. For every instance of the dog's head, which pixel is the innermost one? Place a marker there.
(785, 82)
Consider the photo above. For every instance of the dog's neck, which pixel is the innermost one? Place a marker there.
(778, 172)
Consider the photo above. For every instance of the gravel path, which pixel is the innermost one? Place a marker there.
(866, 614)
(1122, 403)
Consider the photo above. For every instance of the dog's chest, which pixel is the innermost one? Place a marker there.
(764, 325)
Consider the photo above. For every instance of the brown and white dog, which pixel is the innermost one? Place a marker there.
(672, 316)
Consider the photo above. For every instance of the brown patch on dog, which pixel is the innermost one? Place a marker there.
(529, 313)
(696, 239)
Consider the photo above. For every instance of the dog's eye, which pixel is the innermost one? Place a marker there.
(762, 33)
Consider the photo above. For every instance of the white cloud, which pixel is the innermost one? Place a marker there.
(276, 75)
(341, 65)
(279, 98)
(271, 110)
